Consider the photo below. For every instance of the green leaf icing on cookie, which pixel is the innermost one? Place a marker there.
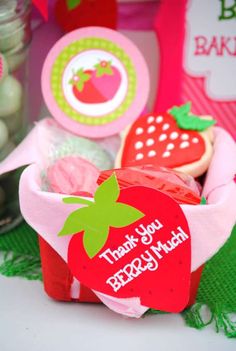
(188, 121)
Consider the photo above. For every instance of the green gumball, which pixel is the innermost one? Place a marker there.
(10, 96)
(11, 31)
(3, 134)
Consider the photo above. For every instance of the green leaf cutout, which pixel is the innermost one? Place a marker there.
(187, 121)
(76, 200)
(122, 215)
(203, 201)
(91, 245)
(76, 222)
(108, 191)
(97, 217)
(72, 4)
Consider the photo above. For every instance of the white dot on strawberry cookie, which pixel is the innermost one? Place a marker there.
(159, 119)
(166, 154)
(150, 142)
(174, 135)
(195, 140)
(139, 157)
(138, 145)
(170, 146)
(150, 119)
(166, 126)
(139, 131)
(184, 144)
(185, 136)
(162, 137)
(152, 153)
(151, 129)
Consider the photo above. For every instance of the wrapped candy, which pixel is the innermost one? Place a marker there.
(71, 175)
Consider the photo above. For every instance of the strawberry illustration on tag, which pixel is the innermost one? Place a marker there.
(133, 242)
(98, 85)
(177, 139)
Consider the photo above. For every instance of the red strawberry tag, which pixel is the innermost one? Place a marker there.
(133, 242)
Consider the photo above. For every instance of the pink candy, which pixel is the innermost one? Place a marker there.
(72, 175)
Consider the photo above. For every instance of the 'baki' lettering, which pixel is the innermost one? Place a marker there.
(218, 46)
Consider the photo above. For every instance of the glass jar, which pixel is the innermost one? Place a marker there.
(15, 37)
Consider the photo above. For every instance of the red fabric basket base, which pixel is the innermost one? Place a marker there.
(58, 279)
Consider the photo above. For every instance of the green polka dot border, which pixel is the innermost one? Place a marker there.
(75, 49)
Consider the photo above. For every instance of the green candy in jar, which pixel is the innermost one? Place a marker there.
(14, 122)
(4, 134)
(10, 96)
(16, 57)
(15, 37)
(11, 33)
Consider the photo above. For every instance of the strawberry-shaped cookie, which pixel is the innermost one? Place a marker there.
(176, 139)
(97, 85)
(127, 244)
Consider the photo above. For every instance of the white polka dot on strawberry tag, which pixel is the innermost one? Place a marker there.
(139, 156)
(165, 126)
(151, 129)
(162, 137)
(150, 142)
(152, 153)
(184, 136)
(139, 131)
(166, 154)
(174, 135)
(170, 146)
(138, 145)
(195, 140)
(184, 145)
(159, 119)
(150, 119)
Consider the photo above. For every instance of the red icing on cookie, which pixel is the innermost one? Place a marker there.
(157, 140)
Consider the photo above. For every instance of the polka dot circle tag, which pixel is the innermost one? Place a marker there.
(95, 82)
